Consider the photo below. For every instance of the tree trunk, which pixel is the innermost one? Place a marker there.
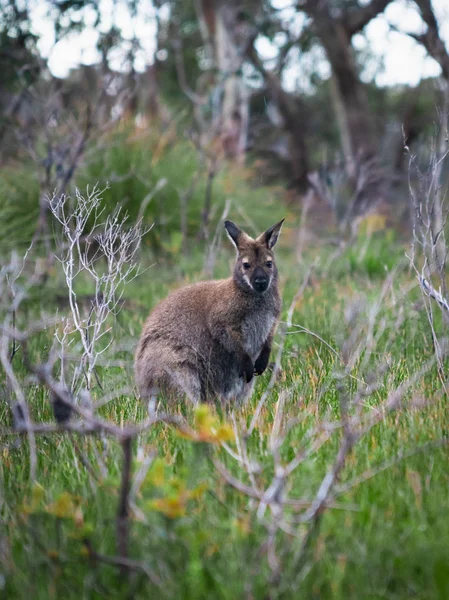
(226, 33)
(352, 95)
(293, 113)
(351, 104)
(294, 125)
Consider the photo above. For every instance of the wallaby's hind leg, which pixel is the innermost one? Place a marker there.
(187, 382)
(175, 386)
(162, 371)
(152, 402)
(247, 392)
(239, 393)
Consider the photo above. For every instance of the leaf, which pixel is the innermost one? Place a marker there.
(208, 427)
(172, 508)
(63, 507)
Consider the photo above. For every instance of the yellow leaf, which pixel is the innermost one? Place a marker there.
(64, 507)
(225, 433)
(203, 418)
(156, 475)
(170, 507)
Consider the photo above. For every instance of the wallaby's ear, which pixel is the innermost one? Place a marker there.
(270, 236)
(234, 232)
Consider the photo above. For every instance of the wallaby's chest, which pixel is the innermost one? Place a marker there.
(255, 330)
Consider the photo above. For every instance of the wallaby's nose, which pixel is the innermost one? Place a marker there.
(260, 283)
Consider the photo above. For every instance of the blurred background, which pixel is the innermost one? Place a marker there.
(180, 104)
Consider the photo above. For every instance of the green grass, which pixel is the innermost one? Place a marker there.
(201, 538)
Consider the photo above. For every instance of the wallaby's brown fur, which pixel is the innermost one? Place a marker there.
(207, 340)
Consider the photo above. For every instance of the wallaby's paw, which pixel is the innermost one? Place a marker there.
(247, 368)
(262, 361)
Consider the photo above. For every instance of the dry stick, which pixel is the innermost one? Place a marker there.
(424, 233)
(98, 426)
(95, 424)
(264, 397)
(85, 461)
(106, 398)
(428, 290)
(240, 442)
(299, 293)
(293, 503)
(118, 245)
(139, 478)
(352, 436)
(146, 201)
(274, 495)
(315, 511)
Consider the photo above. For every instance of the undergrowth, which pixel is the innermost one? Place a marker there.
(387, 537)
(193, 536)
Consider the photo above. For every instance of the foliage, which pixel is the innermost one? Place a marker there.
(199, 537)
(147, 174)
(19, 205)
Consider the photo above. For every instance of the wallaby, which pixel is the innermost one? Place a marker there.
(209, 339)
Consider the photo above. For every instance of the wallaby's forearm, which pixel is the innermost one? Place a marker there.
(264, 357)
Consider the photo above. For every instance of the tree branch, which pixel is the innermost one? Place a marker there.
(355, 20)
(431, 39)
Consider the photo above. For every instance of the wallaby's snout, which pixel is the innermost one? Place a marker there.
(209, 339)
(261, 281)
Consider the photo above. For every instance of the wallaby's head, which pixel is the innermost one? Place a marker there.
(255, 269)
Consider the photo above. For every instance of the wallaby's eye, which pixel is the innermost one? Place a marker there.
(246, 265)
(269, 264)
